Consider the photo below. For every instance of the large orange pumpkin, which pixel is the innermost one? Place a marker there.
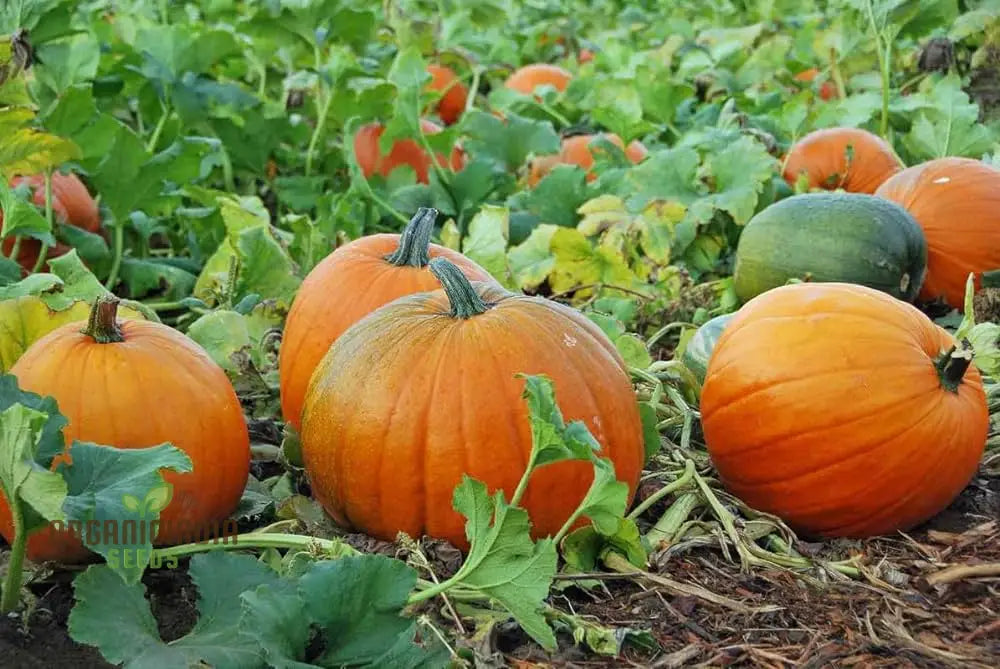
(403, 152)
(849, 158)
(351, 282)
(425, 390)
(576, 150)
(957, 203)
(526, 79)
(451, 105)
(71, 204)
(134, 384)
(838, 408)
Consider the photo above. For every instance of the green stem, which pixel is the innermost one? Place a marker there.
(838, 77)
(668, 528)
(15, 563)
(15, 250)
(522, 485)
(681, 482)
(951, 366)
(465, 301)
(470, 101)
(158, 130)
(116, 263)
(324, 111)
(258, 540)
(882, 51)
(102, 326)
(568, 525)
(414, 242)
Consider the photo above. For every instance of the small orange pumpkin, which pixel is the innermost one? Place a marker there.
(71, 204)
(839, 409)
(575, 150)
(526, 79)
(849, 158)
(347, 285)
(451, 105)
(827, 90)
(403, 152)
(957, 203)
(134, 384)
(425, 390)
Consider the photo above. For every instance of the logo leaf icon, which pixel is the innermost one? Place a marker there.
(158, 498)
(131, 502)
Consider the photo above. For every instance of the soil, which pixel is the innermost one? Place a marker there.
(901, 615)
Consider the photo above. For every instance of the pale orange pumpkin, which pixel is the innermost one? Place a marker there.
(425, 390)
(407, 151)
(957, 203)
(576, 150)
(842, 410)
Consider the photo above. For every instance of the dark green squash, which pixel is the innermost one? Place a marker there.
(822, 237)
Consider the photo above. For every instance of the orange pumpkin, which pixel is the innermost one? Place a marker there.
(827, 90)
(838, 408)
(526, 79)
(576, 151)
(71, 204)
(849, 158)
(347, 285)
(451, 105)
(424, 390)
(134, 384)
(957, 203)
(403, 152)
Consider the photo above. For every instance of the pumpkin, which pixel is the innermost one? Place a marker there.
(842, 410)
(424, 390)
(453, 92)
(71, 204)
(576, 150)
(827, 90)
(403, 152)
(135, 384)
(851, 159)
(838, 237)
(526, 79)
(957, 203)
(354, 280)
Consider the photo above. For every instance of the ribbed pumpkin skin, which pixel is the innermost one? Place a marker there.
(344, 287)
(526, 79)
(957, 203)
(822, 405)
(823, 156)
(71, 203)
(410, 398)
(156, 386)
(576, 151)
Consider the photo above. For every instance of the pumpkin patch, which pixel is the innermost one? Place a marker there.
(482, 334)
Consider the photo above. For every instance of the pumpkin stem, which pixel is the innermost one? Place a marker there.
(414, 243)
(951, 366)
(102, 326)
(465, 301)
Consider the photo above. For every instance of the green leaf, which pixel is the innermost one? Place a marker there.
(23, 479)
(486, 242)
(531, 261)
(556, 198)
(633, 350)
(50, 440)
(21, 217)
(552, 439)
(115, 616)
(740, 172)
(503, 562)
(666, 175)
(507, 142)
(606, 499)
(98, 482)
(223, 332)
(948, 125)
(28, 151)
(357, 603)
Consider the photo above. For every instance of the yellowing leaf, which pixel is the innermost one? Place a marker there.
(601, 213)
(27, 151)
(581, 265)
(532, 260)
(26, 319)
(657, 223)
